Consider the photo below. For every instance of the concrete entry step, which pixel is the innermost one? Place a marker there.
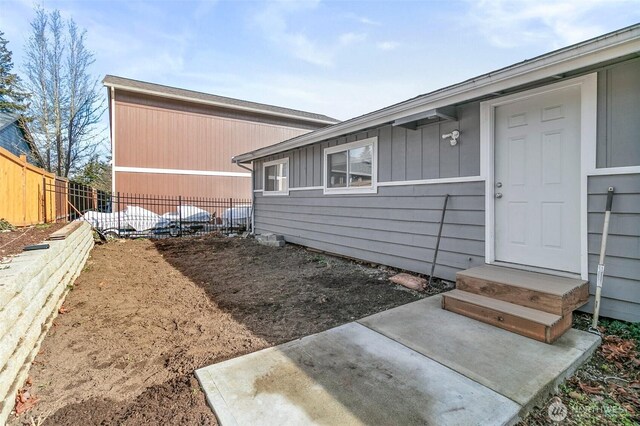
(411, 365)
(548, 293)
(536, 324)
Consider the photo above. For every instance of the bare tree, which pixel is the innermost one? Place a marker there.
(66, 103)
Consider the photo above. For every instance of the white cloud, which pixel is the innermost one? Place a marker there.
(363, 19)
(508, 23)
(387, 45)
(347, 39)
(367, 21)
(273, 22)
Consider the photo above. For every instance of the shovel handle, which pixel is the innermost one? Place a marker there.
(609, 198)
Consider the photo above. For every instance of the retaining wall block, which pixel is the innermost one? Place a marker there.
(31, 293)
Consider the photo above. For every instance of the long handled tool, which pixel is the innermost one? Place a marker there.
(603, 249)
(102, 237)
(435, 253)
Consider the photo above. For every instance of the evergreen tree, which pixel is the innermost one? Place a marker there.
(95, 173)
(12, 98)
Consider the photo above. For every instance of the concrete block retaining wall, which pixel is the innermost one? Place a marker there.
(32, 290)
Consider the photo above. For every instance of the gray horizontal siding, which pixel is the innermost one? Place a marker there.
(621, 290)
(397, 227)
(402, 154)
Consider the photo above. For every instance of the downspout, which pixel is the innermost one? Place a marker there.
(113, 141)
(253, 197)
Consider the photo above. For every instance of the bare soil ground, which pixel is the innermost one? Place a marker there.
(13, 241)
(144, 315)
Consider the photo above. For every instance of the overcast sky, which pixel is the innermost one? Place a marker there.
(339, 58)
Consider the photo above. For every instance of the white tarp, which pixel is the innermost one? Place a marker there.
(103, 221)
(188, 214)
(237, 216)
(140, 219)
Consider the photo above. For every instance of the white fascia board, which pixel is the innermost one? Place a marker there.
(609, 47)
(218, 104)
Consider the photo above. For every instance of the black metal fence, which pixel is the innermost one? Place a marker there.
(151, 216)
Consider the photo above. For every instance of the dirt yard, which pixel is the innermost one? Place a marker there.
(13, 241)
(143, 315)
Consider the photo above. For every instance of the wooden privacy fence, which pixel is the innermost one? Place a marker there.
(61, 196)
(23, 199)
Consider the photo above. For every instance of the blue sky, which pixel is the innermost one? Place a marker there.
(340, 58)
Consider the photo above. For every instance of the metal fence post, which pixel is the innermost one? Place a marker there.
(118, 207)
(44, 198)
(231, 215)
(179, 216)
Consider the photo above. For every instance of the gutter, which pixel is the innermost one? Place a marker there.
(218, 104)
(607, 47)
(253, 197)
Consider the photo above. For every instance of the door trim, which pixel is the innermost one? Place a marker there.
(588, 118)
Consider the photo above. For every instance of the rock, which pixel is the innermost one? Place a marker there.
(409, 281)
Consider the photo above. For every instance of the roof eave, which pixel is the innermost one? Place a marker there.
(601, 49)
(217, 104)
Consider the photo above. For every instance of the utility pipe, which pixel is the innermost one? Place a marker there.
(253, 196)
(603, 248)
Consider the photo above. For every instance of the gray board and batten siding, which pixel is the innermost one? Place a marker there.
(618, 145)
(398, 225)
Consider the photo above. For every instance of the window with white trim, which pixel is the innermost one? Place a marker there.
(351, 167)
(276, 177)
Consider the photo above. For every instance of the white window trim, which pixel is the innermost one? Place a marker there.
(434, 181)
(373, 189)
(305, 188)
(284, 161)
(608, 171)
(588, 119)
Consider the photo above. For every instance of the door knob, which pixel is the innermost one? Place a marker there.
(498, 194)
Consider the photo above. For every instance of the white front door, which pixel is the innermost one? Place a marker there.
(537, 181)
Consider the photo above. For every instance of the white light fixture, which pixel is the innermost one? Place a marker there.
(454, 137)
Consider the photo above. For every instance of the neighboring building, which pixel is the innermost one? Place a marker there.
(15, 137)
(169, 141)
(539, 144)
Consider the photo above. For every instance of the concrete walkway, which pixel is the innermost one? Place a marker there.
(415, 364)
